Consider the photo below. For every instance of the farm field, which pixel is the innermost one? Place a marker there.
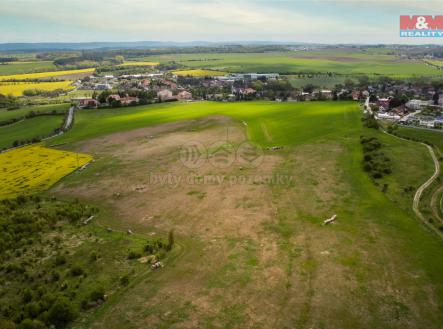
(305, 62)
(17, 88)
(255, 253)
(6, 115)
(322, 81)
(34, 168)
(26, 67)
(139, 63)
(26, 130)
(44, 75)
(198, 73)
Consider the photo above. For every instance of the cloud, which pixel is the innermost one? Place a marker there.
(212, 20)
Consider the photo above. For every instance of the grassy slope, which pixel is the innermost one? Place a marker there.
(374, 235)
(41, 127)
(434, 137)
(361, 63)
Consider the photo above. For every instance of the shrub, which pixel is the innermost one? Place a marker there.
(134, 255)
(76, 270)
(61, 313)
(31, 324)
(97, 294)
(124, 280)
(60, 260)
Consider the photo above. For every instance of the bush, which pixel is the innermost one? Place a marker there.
(60, 260)
(31, 324)
(61, 313)
(134, 255)
(97, 294)
(124, 280)
(76, 271)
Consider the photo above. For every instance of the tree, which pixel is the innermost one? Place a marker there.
(309, 88)
(119, 59)
(61, 313)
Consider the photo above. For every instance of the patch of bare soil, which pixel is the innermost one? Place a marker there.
(255, 252)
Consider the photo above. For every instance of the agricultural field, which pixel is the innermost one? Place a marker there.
(322, 81)
(26, 67)
(6, 115)
(335, 61)
(198, 73)
(28, 129)
(138, 63)
(253, 250)
(45, 75)
(17, 88)
(35, 168)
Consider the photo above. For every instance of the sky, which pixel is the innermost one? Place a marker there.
(315, 21)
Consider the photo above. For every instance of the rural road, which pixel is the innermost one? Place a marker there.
(69, 119)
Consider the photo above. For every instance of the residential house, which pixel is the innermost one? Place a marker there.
(184, 95)
(164, 94)
(88, 103)
(384, 102)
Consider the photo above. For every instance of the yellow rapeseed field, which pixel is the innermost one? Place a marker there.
(140, 64)
(198, 73)
(35, 168)
(17, 88)
(42, 75)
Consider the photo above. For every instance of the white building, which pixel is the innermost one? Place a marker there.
(416, 104)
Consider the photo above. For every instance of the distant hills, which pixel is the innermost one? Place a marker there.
(47, 46)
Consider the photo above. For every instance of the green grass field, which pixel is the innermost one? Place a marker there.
(322, 81)
(308, 62)
(324, 119)
(26, 67)
(19, 113)
(41, 127)
(435, 137)
(377, 267)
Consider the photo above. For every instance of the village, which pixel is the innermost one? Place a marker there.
(414, 104)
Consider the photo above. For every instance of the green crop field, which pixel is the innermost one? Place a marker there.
(26, 67)
(40, 127)
(308, 62)
(323, 81)
(6, 115)
(324, 119)
(240, 245)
